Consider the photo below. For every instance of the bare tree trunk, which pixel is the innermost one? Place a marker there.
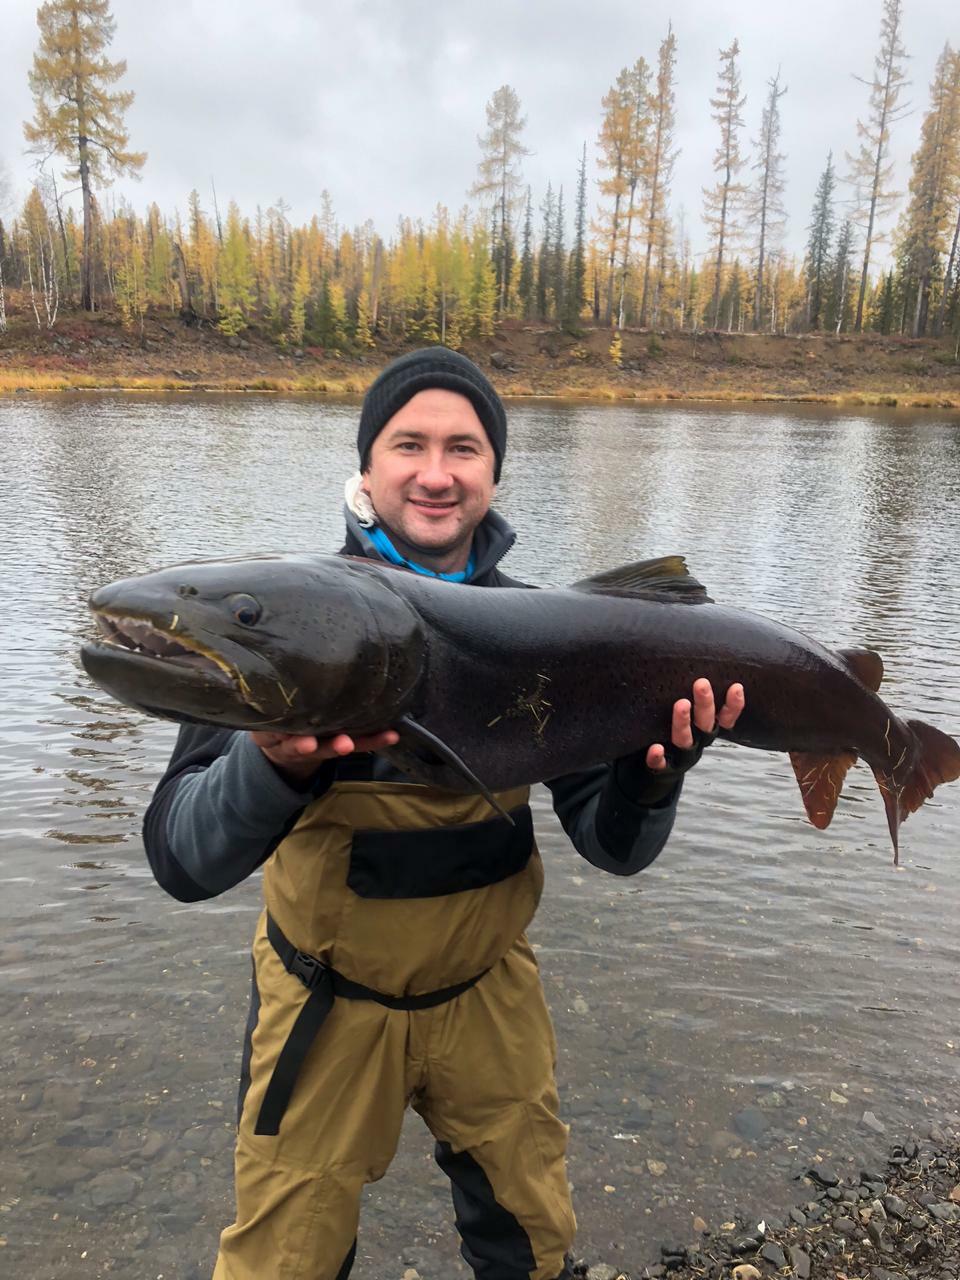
(947, 277)
(3, 302)
(720, 239)
(608, 309)
(63, 237)
(187, 308)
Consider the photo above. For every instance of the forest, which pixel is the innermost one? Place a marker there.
(606, 254)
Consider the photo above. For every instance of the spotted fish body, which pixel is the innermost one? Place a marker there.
(492, 689)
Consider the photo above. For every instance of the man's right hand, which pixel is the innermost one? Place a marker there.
(300, 755)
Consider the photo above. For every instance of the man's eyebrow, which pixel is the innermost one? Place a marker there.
(411, 433)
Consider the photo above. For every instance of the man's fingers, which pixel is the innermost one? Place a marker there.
(704, 707)
(377, 741)
(732, 706)
(681, 734)
(656, 758)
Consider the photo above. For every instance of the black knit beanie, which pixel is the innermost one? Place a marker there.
(418, 371)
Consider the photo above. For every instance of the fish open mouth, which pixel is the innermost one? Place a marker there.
(138, 636)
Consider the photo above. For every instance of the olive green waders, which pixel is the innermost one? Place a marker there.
(403, 894)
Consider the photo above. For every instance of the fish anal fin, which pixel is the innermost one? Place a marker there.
(409, 728)
(666, 577)
(820, 778)
(866, 665)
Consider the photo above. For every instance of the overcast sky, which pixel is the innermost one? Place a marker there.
(381, 101)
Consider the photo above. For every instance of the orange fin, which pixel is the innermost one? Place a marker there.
(821, 781)
(866, 665)
(936, 760)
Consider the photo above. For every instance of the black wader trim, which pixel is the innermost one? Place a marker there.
(434, 861)
(324, 983)
(348, 1263)
(253, 1017)
(495, 1244)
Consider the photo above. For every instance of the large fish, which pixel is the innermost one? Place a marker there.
(491, 689)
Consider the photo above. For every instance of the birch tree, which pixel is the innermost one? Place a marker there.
(871, 171)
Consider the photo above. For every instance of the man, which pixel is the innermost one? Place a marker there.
(390, 964)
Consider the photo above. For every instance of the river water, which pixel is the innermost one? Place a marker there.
(764, 996)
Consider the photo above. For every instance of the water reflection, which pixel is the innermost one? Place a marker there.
(710, 1013)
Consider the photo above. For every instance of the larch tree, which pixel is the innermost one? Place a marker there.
(613, 145)
(928, 221)
(721, 200)
(871, 170)
(499, 178)
(636, 167)
(661, 157)
(77, 113)
(766, 198)
(822, 226)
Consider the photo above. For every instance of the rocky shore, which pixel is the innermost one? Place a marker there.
(901, 1222)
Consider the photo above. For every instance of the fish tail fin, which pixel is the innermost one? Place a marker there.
(821, 780)
(935, 760)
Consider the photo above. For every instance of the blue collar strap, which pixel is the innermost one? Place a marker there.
(391, 554)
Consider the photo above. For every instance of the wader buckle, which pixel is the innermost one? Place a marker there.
(308, 969)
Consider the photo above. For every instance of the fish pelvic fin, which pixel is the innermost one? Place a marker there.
(664, 578)
(866, 665)
(935, 760)
(820, 779)
(424, 738)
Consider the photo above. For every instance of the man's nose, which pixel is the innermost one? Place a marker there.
(435, 472)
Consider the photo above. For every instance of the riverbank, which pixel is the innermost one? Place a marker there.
(96, 353)
(898, 1223)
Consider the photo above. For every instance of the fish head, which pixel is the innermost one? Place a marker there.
(311, 644)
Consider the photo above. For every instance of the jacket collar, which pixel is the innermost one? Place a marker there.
(492, 540)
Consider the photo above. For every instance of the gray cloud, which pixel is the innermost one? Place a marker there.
(381, 101)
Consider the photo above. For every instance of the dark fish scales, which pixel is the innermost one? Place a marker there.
(495, 689)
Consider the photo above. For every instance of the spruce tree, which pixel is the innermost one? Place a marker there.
(576, 276)
(558, 263)
(822, 225)
(526, 286)
(545, 254)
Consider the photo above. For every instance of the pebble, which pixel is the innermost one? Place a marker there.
(750, 1123)
(117, 1187)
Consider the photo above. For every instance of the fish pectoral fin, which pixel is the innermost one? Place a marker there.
(821, 781)
(866, 665)
(409, 728)
(665, 578)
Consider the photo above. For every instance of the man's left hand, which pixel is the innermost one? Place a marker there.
(702, 714)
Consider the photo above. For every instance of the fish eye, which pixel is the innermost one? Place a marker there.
(246, 610)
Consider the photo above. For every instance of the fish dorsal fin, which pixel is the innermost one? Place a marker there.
(865, 664)
(665, 578)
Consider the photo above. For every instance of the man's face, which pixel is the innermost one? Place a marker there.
(430, 472)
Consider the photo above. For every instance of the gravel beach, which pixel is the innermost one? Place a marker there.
(899, 1222)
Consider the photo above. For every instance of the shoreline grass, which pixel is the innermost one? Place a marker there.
(21, 381)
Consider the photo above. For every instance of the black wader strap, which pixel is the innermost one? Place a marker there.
(324, 984)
